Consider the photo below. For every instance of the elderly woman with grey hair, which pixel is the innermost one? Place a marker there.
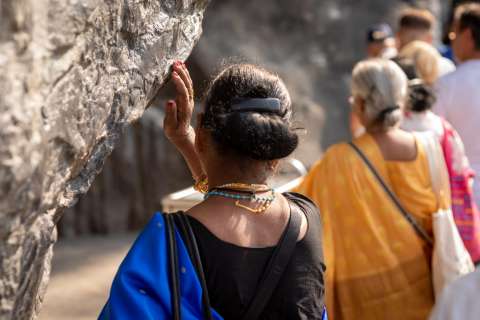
(378, 262)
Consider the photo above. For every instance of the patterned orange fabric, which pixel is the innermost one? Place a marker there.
(377, 266)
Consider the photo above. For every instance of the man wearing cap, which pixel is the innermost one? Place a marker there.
(380, 42)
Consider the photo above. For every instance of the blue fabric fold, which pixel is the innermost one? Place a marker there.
(141, 290)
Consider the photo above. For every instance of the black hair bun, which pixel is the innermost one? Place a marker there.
(421, 97)
(256, 135)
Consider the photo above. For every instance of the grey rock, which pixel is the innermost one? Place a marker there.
(142, 169)
(73, 75)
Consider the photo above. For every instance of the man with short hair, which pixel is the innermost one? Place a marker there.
(458, 93)
(415, 24)
(418, 24)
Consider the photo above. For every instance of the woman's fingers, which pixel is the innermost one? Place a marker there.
(182, 71)
(180, 86)
(170, 122)
(184, 74)
(184, 104)
(189, 79)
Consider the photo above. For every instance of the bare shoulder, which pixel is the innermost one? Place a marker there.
(204, 212)
(398, 145)
(236, 225)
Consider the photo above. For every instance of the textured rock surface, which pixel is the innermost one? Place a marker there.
(73, 75)
(143, 167)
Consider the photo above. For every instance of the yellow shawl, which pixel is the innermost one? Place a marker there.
(377, 266)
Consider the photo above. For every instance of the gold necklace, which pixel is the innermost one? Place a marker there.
(250, 187)
(265, 204)
(260, 209)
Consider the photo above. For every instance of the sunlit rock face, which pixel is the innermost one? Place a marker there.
(73, 75)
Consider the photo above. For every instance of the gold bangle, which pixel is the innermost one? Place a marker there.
(201, 184)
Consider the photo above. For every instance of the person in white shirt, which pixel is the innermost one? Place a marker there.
(459, 300)
(458, 93)
(417, 25)
(419, 62)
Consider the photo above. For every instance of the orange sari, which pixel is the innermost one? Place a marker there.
(377, 266)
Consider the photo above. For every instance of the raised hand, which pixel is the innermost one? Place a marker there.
(178, 116)
(178, 113)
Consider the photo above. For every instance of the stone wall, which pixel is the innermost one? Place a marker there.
(142, 169)
(73, 75)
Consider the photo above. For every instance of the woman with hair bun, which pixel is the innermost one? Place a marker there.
(260, 251)
(378, 262)
(420, 64)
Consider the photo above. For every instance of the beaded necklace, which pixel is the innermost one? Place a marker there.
(263, 201)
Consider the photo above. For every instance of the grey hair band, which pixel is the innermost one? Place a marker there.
(272, 105)
(386, 111)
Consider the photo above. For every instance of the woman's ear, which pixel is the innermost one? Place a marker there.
(273, 165)
(359, 110)
(361, 105)
(358, 105)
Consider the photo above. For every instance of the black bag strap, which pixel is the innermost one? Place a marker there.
(194, 252)
(173, 266)
(418, 228)
(276, 265)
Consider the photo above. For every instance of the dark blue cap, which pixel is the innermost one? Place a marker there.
(379, 32)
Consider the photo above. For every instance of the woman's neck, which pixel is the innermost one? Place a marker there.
(381, 132)
(214, 180)
(222, 175)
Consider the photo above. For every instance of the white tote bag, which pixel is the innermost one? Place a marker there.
(450, 259)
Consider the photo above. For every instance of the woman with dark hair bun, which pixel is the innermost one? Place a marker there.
(418, 116)
(260, 251)
(259, 132)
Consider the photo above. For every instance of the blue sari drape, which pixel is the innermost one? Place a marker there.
(141, 290)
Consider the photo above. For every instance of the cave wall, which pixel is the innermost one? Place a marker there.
(73, 75)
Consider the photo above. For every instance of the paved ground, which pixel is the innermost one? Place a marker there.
(83, 269)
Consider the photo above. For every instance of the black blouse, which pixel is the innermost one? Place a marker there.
(233, 272)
